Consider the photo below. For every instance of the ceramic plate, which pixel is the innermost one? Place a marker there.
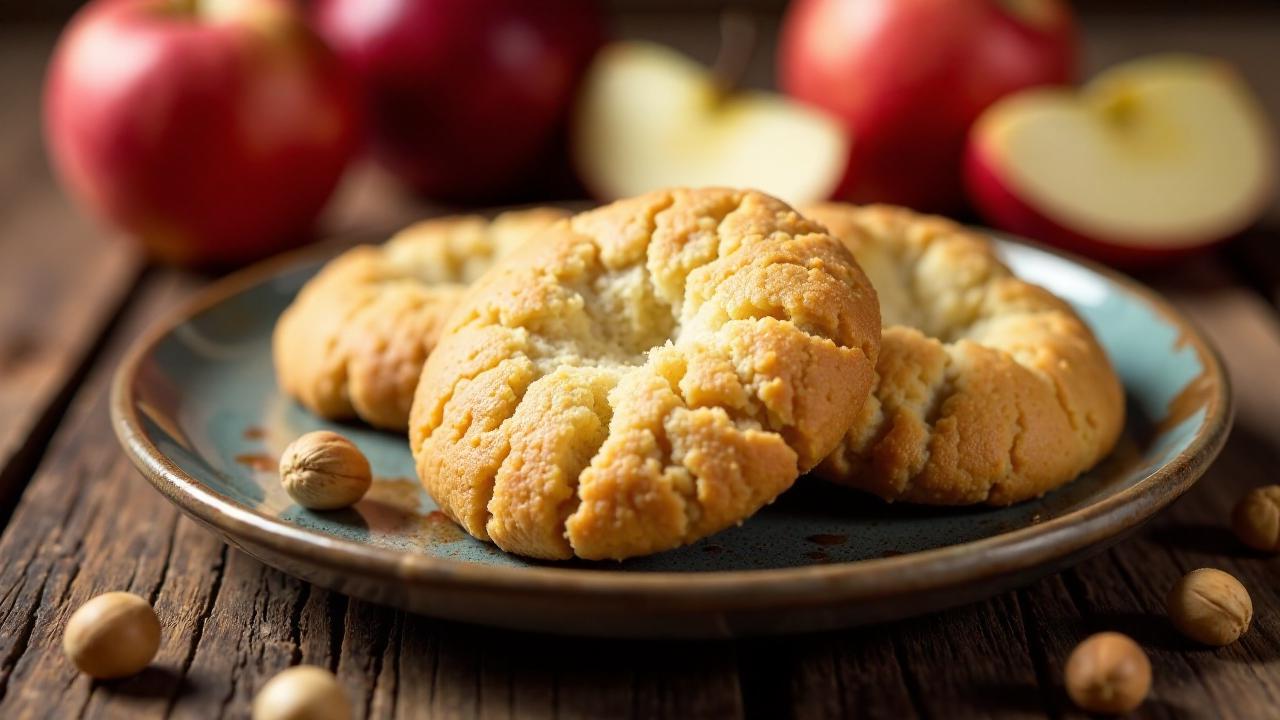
(197, 409)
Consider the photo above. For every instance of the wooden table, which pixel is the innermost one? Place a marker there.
(78, 520)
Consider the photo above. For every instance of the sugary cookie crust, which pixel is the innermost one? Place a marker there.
(988, 389)
(352, 344)
(644, 374)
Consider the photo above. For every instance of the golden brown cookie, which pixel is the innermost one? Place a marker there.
(644, 375)
(988, 389)
(354, 341)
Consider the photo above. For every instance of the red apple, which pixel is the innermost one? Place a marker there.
(1152, 159)
(465, 96)
(213, 130)
(908, 77)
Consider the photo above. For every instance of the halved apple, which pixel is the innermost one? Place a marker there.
(648, 117)
(1153, 158)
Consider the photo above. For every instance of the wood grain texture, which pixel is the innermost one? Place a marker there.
(85, 507)
(61, 279)
(88, 523)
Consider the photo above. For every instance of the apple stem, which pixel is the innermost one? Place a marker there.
(737, 45)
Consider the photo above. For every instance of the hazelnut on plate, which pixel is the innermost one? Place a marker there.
(1108, 673)
(112, 636)
(1256, 519)
(1210, 607)
(323, 470)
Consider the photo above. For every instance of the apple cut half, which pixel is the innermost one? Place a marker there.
(648, 117)
(1153, 158)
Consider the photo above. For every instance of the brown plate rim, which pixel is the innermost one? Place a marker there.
(1004, 554)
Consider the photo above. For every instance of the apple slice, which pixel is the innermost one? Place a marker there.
(648, 117)
(1153, 158)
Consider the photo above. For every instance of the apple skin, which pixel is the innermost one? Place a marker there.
(1000, 206)
(212, 141)
(466, 98)
(908, 78)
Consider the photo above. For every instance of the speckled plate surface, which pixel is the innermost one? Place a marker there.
(196, 407)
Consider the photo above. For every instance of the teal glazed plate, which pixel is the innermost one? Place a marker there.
(196, 407)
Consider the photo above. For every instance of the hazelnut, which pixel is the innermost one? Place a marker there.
(324, 471)
(1108, 673)
(1256, 519)
(111, 636)
(305, 692)
(1210, 607)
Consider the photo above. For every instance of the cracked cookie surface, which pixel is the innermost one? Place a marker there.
(644, 374)
(988, 389)
(352, 344)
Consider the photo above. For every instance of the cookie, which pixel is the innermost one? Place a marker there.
(352, 344)
(644, 374)
(988, 389)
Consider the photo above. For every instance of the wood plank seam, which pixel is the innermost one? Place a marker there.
(198, 633)
(914, 688)
(1039, 654)
(25, 630)
(22, 464)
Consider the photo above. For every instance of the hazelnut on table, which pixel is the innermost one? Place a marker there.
(304, 692)
(1210, 607)
(1256, 519)
(112, 636)
(323, 470)
(1108, 673)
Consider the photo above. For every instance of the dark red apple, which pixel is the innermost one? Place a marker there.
(465, 97)
(214, 131)
(908, 78)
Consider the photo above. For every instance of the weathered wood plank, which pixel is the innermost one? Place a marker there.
(61, 279)
(1005, 657)
(399, 665)
(837, 675)
(969, 662)
(1125, 589)
(87, 523)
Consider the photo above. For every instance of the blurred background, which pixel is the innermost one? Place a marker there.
(473, 117)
